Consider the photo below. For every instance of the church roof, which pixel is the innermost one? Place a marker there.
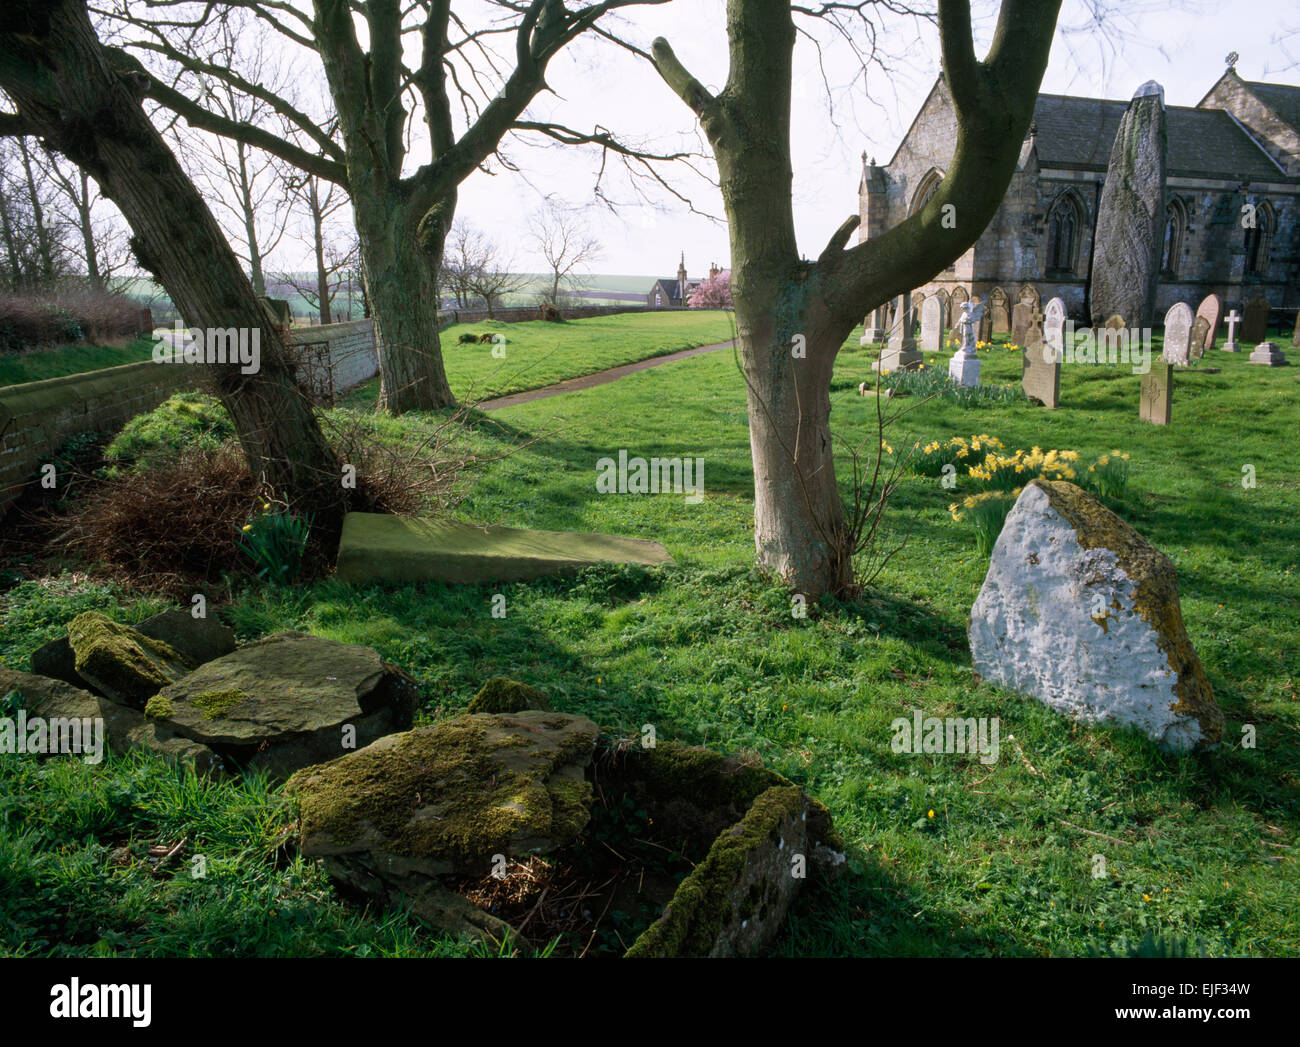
(1281, 98)
(1078, 133)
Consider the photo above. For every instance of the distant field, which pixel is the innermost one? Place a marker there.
(622, 287)
(539, 353)
(70, 359)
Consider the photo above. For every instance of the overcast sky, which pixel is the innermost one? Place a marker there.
(1180, 43)
(1182, 46)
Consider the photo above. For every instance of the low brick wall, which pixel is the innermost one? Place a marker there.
(334, 357)
(36, 417)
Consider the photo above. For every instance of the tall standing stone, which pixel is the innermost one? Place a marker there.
(1211, 308)
(1131, 213)
(1295, 338)
(1254, 320)
(931, 324)
(1178, 335)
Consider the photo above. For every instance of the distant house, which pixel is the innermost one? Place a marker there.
(673, 291)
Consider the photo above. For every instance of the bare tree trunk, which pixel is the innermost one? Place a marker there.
(88, 233)
(401, 267)
(250, 221)
(318, 243)
(793, 315)
(58, 75)
(44, 246)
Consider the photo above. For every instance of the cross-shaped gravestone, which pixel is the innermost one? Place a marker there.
(1230, 346)
(1040, 371)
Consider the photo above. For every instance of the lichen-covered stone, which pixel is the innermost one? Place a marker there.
(446, 798)
(124, 728)
(774, 836)
(502, 695)
(288, 701)
(1081, 612)
(120, 662)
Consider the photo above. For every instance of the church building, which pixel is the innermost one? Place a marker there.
(1238, 146)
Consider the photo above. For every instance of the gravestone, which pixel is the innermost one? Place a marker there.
(959, 297)
(984, 330)
(1254, 322)
(874, 328)
(1030, 295)
(1295, 338)
(1200, 336)
(1130, 227)
(999, 311)
(1054, 327)
(1268, 354)
(1178, 335)
(1211, 309)
(1040, 374)
(1157, 394)
(1112, 336)
(931, 324)
(1022, 316)
(900, 354)
(964, 367)
(1230, 346)
(945, 320)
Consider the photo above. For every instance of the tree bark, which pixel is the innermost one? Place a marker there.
(783, 302)
(55, 70)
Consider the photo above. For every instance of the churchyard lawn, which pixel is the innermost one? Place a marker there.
(1076, 840)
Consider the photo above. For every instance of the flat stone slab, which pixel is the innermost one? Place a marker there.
(377, 547)
(288, 701)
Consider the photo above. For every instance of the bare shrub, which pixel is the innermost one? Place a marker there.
(169, 525)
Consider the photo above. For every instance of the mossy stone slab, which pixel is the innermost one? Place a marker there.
(446, 798)
(380, 548)
(288, 701)
(122, 663)
(124, 728)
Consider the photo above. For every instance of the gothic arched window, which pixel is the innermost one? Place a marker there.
(1175, 232)
(928, 186)
(1064, 225)
(1259, 239)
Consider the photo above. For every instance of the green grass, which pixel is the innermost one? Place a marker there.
(15, 369)
(539, 353)
(1200, 848)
